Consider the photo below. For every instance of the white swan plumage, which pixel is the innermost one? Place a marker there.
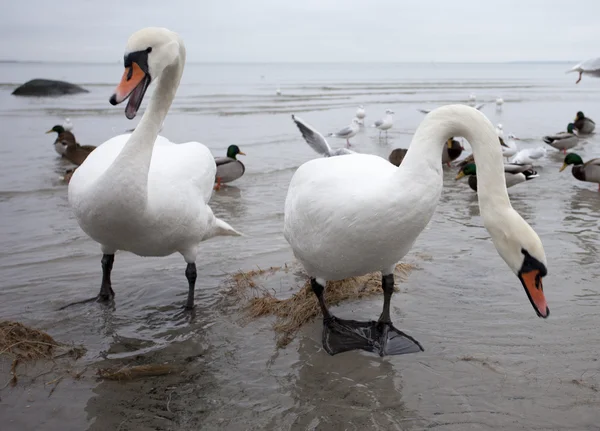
(139, 192)
(347, 216)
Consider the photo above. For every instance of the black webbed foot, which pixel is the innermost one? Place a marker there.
(101, 298)
(377, 337)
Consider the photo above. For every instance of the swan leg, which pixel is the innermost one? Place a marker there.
(106, 294)
(191, 275)
(392, 341)
(344, 335)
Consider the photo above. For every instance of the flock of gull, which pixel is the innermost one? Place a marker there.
(344, 214)
(520, 163)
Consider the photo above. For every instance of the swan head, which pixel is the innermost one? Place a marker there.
(148, 52)
(522, 250)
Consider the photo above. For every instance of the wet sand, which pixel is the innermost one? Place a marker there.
(489, 362)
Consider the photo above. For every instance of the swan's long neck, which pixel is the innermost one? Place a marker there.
(130, 169)
(424, 156)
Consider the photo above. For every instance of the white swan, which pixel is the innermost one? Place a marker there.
(139, 192)
(352, 215)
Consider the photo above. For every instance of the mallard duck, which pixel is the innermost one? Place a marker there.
(452, 151)
(588, 171)
(65, 137)
(140, 192)
(513, 174)
(589, 67)
(229, 168)
(563, 141)
(316, 141)
(356, 214)
(583, 124)
(397, 155)
(348, 131)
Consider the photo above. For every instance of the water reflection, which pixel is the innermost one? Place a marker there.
(358, 390)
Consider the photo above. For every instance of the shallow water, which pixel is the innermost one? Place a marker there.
(489, 362)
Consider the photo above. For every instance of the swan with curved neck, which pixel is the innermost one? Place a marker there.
(139, 192)
(346, 216)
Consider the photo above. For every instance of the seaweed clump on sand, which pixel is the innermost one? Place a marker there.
(23, 344)
(294, 312)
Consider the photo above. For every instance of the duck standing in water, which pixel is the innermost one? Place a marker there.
(583, 124)
(563, 141)
(64, 138)
(229, 168)
(513, 174)
(588, 171)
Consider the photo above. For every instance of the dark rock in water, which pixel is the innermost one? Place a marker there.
(48, 87)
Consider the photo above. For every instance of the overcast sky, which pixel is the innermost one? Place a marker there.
(307, 30)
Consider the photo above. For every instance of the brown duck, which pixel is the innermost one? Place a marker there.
(66, 140)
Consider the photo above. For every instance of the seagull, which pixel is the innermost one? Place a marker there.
(67, 125)
(347, 132)
(499, 101)
(360, 112)
(589, 67)
(316, 141)
(385, 123)
(528, 155)
(278, 91)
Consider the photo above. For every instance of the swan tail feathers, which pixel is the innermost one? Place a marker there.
(223, 228)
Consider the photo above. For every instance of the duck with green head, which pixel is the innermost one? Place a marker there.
(229, 168)
(563, 141)
(513, 174)
(588, 171)
(66, 138)
(583, 124)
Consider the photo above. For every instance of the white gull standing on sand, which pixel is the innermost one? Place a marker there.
(316, 141)
(589, 67)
